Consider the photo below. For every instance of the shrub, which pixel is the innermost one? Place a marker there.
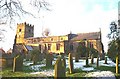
(82, 50)
(112, 51)
(35, 55)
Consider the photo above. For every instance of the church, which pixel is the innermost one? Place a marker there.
(25, 41)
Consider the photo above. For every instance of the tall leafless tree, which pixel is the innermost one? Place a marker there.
(11, 9)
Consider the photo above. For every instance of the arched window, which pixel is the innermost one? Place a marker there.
(49, 46)
(57, 46)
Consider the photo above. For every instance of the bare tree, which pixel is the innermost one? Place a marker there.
(1, 34)
(12, 9)
(9, 9)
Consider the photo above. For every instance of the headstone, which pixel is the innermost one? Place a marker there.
(70, 61)
(92, 59)
(105, 59)
(76, 57)
(117, 64)
(60, 68)
(17, 63)
(49, 58)
(98, 61)
(87, 59)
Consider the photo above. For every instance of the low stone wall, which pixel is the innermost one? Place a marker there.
(6, 62)
(2, 62)
(9, 62)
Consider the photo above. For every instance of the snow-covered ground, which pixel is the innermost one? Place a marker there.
(80, 64)
(49, 72)
(101, 75)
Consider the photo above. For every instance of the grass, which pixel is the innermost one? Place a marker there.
(25, 73)
(107, 68)
(47, 68)
(76, 73)
(9, 73)
(26, 69)
(80, 75)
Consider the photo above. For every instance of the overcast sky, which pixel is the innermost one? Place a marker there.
(77, 16)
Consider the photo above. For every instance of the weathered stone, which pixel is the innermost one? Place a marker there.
(98, 61)
(2, 62)
(49, 59)
(60, 68)
(105, 59)
(117, 64)
(87, 59)
(76, 57)
(70, 61)
(92, 59)
(17, 63)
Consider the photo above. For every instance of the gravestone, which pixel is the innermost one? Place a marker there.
(92, 59)
(97, 61)
(117, 64)
(17, 63)
(60, 68)
(70, 61)
(105, 59)
(76, 57)
(49, 58)
(87, 59)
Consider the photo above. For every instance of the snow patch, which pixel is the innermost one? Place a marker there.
(27, 63)
(102, 74)
(37, 67)
(45, 72)
(88, 69)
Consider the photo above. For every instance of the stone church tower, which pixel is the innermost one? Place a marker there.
(23, 31)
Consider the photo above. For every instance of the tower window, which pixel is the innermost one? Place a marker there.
(20, 30)
(29, 30)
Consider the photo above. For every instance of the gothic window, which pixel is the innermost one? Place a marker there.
(49, 46)
(45, 47)
(91, 45)
(57, 46)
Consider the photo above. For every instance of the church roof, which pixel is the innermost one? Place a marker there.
(87, 36)
(2, 51)
(29, 48)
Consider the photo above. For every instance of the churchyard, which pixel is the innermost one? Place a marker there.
(55, 66)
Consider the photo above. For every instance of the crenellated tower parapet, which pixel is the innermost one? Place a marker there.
(24, 30)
